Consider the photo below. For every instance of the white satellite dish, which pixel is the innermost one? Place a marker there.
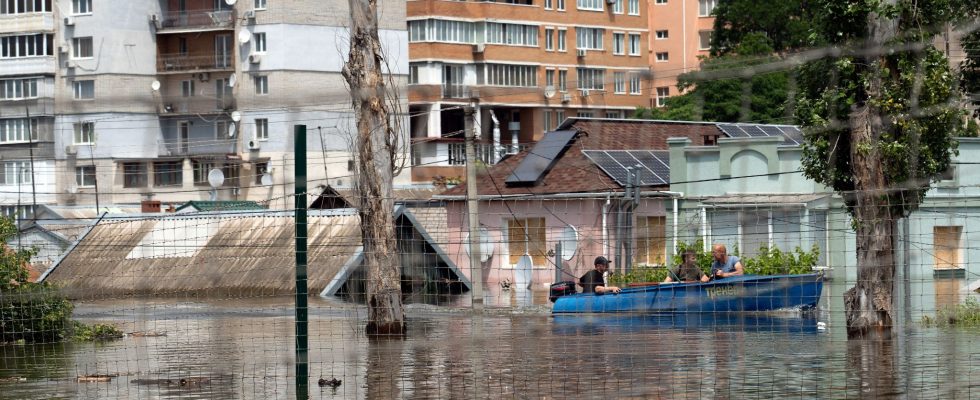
(244, 37)
(486, 244)
(236, 116)
(216, 178)
(549, 91)
(266, 179)
(569, 242)
(155, 86)
(230, 2)
(232, 79)
(522, 272)
(231, 129)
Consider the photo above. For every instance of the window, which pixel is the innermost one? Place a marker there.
(559, 117)
(200, 171)
(704, 40)
(663, 57)
(527, 236)
(634, 7)
(84, 133)
(946, 247)
(220, 128)
(262, 128)
(651, 240)
(547, 4)
(619, 43)
(511, 34)
(81, 47)
(261, 85)
(662, 94)
(39, 45)
(549, 77)
(584, 114)
(705, 7)
(16, 173)
(511, 75)
(617, 7)
(662, 35)
(549, 39)
(660, 2)
(562, 33)
(182, 46)
(81, 6)
(260, 42)
(588, 38)
(8, 7)
(168, 173)
(259, 5)
(18, 89)
(232, 174)
(187, 88)
(563, 80)
(591, 78)
(413, 73)
(561, 5)
(85, 176)
(635, 87)
(619, 82)
(547, 120)
(83, 90)
(18, 130)
(260, 170)
(591, 5)
(634, 44)
(614, 114)
(134, 175)
(440, 30)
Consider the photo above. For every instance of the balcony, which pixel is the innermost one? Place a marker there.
(27, 22)
(41, 65)
(195, 147)
(197, 20)
(455, 91)
(203, 104)
(452, 152)
(182, 63)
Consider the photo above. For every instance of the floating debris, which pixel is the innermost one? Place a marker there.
(146, 334)
(96, 378)
(332, 382)
(13, 379)
(190, 381)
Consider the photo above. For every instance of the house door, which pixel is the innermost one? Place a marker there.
(222, 51)
(183, 136)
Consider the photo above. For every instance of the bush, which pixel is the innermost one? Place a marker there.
(97, 332)
(772, 261)
(966, 314)
(638, 274)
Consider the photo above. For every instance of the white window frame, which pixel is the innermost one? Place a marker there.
(546, 116)
(81, 174)
(636, 84)
(704, 44)
(19, 172)
(17, 7)
(560, 5)
(562, 39)
(663, 93)
(19, 89)
(665, 34)
(591, 78)
(549, 77)
(634, 44)
(548, 4)
(619, 82)
(511, 75)
(617, 7)
(78, 47)
(589, 5)
(662, 56)
(18, 130)
(634, 7)
(78, 89)
(660, 2)
(260, 43)
(25, 46)
(619, 43)
(187, 88)
(260, 4)
(83, 133)
(261, 84)
(706, 7)
(549, 39)
(589, 38)
(559, 117)
(563, 80)
(81, 7)
(262, 129)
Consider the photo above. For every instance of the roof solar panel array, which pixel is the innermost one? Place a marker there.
(652, 166)
(792, 135)
(541, 158)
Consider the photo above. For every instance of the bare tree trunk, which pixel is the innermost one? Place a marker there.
(376, 141)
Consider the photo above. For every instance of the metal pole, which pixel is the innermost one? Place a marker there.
(302, 346)
(558, 262)
(476, 267)
(30, 147)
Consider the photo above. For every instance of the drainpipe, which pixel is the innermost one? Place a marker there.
(605, 230)
(676, 197)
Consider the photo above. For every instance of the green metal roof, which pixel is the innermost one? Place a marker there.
(201, 205)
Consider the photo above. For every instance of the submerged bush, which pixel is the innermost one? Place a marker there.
(96, 332)
(966, 314)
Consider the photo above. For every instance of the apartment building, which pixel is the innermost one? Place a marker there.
(520, 67)
(143, 99)
(680, 32)
(28, 67)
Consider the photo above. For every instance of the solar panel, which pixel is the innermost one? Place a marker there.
(652, 167)
(794, 136)
(541, 158)
(732, 130)
(771, 130)
(757, 131)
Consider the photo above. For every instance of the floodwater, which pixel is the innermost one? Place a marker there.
(243, 348)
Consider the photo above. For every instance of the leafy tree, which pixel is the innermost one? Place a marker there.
(784, 22)
(880, 120)
(970, 68)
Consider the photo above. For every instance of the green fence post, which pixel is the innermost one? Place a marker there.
(302, 340)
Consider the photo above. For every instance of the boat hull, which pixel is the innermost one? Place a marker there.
(741, 293)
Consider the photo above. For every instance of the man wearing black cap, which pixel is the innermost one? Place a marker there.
(592, 281)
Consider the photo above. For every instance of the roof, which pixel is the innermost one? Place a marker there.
(202, 205)
(573, 172)
(784, 199)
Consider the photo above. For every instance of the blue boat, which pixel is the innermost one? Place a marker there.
(739, 293)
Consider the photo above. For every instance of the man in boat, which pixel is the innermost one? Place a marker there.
(594, 282)
(724, 265)
(688, 271)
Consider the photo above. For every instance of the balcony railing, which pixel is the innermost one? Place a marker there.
(453, 153)
(209, 19)
(185, 62)
(455, 91)
(204, 104)
(195, 147)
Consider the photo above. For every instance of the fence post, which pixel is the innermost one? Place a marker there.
(302, 349)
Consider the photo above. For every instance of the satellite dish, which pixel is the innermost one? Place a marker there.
(232, 79)
(266, 179)
(216, 178)
(522, 272)
(230, 2)
(236, 116)
(486, 244)
(244, 37)
(549, 91)
(231, 129)
(155, 86)
(569, 242)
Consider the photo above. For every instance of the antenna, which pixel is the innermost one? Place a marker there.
(230, 2)
(266, 179)
(155, 86)
(236, 116)
(232, 79)
(549, 91)
(244, 37)
(232, 127)
(486, 245)
(569, 242)
(215, 178)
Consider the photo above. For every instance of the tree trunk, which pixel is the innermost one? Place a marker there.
(375, 144)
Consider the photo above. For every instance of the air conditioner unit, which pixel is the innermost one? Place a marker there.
(70, 64)
(253, 144)
(169, 107)
(69, 21)
(566, 97)
(610, 2)
(582, 52)
(64, 47)
(71, 150)
(250, 14)
(479, 48)
(584, 92)
(203, 76)
(155, 20)
(254, 58)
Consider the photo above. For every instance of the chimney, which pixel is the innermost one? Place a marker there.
(150, 206)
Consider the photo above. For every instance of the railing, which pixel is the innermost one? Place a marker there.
(195, 147)
(202, 104)
(453, 153)
(185, 62)
(198, 19)
(455, 91)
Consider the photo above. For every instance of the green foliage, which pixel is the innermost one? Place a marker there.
(785, 23)
(966, 314)
(772, 261)
(638, 274)
(97, 332)
(29, 312)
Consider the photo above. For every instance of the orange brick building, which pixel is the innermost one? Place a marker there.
(680, 32)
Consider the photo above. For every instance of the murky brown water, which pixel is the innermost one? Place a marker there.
(243, 348)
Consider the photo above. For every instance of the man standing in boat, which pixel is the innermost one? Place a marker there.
(593, 281)
(688, 271)
(724, 265)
